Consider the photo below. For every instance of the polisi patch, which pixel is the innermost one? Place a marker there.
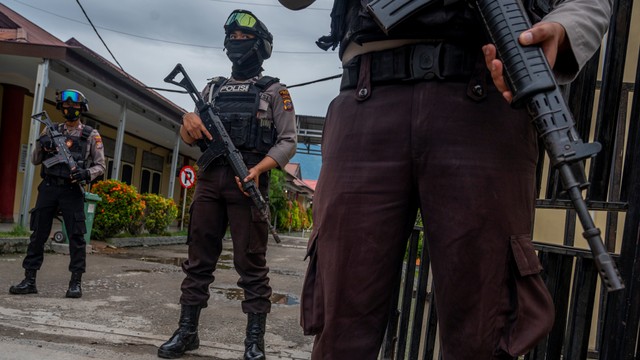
(235, 88)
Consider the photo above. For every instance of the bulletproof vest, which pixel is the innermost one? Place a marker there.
(450, 20)
(237, 106)
(77, 149)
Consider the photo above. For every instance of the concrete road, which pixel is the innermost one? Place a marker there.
(130, 306)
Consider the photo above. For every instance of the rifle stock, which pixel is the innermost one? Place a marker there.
(221, 145)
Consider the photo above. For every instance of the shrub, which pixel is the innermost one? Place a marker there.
(121, 206)
(159, 213)
(186, 218)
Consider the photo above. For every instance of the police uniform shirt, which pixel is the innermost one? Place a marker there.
(93, 153)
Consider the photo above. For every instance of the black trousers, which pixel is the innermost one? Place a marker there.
(218, 202)
(70, 200)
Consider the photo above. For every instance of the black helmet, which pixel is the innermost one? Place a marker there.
(246, 22)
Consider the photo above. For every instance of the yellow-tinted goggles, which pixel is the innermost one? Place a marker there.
(242, 19)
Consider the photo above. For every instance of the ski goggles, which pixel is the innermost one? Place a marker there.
(242, 19)
(69, 95)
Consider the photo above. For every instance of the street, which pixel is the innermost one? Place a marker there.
(130, 306)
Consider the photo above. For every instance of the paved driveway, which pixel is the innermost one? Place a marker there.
(130, 306)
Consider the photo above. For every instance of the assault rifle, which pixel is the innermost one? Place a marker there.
(62, 155)
(221, 145)
(532, 83)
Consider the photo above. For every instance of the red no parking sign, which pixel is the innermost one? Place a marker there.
(187, 180)
(187, 176)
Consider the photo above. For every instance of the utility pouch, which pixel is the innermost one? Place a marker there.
(389, 13)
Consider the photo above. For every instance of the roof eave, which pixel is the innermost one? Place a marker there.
(33, 50)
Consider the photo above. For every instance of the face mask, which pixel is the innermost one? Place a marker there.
(244, 57)
(71, 114)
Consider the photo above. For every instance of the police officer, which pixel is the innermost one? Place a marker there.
(61, 189)
(258, 115)
(419, 124)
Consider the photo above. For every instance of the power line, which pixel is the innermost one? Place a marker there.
(288, 86)
(315, 81)
(269, 5)
(100, 37)
(168, 41)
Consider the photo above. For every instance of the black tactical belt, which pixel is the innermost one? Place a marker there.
(416, 62)
(54, 180)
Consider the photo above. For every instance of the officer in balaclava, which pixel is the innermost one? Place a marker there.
(257, 113)
(248, 43)
(60, 190)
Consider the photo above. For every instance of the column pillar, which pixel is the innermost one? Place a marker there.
(10, 135)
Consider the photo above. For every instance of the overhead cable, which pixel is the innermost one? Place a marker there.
(100, 37)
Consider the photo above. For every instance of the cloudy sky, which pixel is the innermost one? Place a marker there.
(148, 37)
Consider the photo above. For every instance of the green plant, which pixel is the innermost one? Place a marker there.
(121, 205)
(418, 224)
(159, 213)
(187, 216)
(289, 214)
(18, 230)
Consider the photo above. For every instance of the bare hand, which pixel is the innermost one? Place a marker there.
(551, 37)
(193, 129)
(254, 175)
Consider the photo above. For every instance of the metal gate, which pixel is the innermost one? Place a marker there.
(570, 272)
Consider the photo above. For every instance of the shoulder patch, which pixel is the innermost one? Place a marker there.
(287, 104)
(98, 141)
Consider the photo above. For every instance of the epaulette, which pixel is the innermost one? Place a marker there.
(266, 81)
(86, 132)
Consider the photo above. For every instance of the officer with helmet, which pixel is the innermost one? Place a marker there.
(258, 115)
(60, 190)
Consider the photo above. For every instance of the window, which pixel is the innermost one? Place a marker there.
(151, 173)
(127, 173)
(150, 181)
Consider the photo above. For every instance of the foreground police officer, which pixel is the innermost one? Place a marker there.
(258, 114)
(60, 189)
(418, 124)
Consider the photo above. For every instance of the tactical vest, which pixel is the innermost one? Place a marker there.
(237, 106)
(449, 20)
(77, 149)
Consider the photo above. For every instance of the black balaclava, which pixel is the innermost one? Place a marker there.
(245, 57)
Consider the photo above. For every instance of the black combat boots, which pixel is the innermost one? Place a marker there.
(254, 343)
(26, 286)
(75, 288)
(186, 337)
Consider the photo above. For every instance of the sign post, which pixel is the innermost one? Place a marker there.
(187, 180)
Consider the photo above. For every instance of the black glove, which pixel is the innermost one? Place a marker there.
(46, 143)
(81, 175)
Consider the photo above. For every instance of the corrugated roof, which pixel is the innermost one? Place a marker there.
(95, 58)
(35, 35)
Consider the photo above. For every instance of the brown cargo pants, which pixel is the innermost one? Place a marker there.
(470, 167)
